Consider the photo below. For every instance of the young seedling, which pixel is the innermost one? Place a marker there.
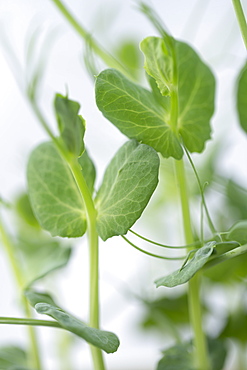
(171, 118)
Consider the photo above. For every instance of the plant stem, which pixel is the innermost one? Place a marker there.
(10, 250)
(29, 322)
(104, 55)
(200, 355)
(94, 258)
(241, 19)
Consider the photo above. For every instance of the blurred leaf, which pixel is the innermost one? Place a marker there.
(129, 182)
(177, 358)
(13, 358)
(185, 273)
(54, 195)
(228, 271)
(174, 308)
(237, 198)
(44, 304)
(238, 232)
(88, 170)
(236, 325)
(180, 356)
(242, 98)
(41, 256)
(71, 125)
(223, 247)
(217, 351)
(129, 54)
(24, 210)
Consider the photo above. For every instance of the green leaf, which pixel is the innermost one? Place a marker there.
(136, 113)
(196, 90)
(13, 358)
(71, 125)
(44, 304)
(238, 232)
(242, 98)
(217, 351)
(40, 255)
(176, 358)
(129, 181)
(129, 54)
(88, 170)
(223, 247)
(236, 324)
(183, 275)
(54, 196)
(24, 210)
(158, 62)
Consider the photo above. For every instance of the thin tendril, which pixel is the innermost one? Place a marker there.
(152, 254)
(211, 225)
(163, 245)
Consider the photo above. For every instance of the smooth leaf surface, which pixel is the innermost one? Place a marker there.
(158, 62)
(196, 89)
(25, 212)
(183, 275)
(242, 98)
(238, 232)
(136, 113)
(54, 196)
(71, 125)
(128, 183)
(13, 358)
(44, 304)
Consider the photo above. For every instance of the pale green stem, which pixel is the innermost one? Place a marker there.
(29, 322)
(94, 259)
(241, 19)
(104, 55)
(200, 354)
(34, 350)
(91, 231)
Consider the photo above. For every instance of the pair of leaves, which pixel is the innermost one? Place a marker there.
(180, 356)
(44, 304)
(128, 184)
(185, 273)
(138, 114)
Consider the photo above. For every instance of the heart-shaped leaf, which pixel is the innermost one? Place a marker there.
(44, 304)
(129, 181)
(54, 195)
(184, 274)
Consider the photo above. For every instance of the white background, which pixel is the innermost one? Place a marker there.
(210, 26)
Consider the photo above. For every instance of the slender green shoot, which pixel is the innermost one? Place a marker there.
(10, 251)
(107, 58)
(200, 355)
(241, 19)
(152, 254)
(29, 322)
(198, 243)
(211, 225)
